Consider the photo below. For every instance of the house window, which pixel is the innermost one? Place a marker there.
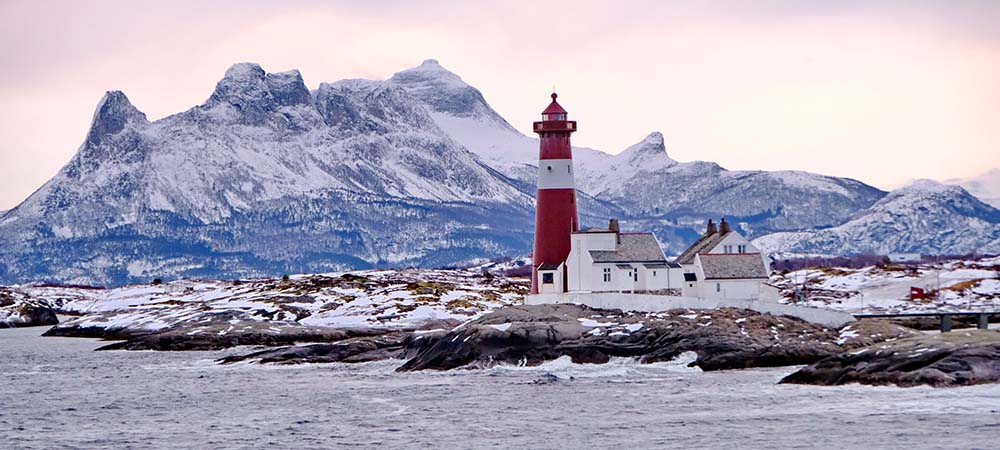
(718, 287)
(607, 274)
(741, 248)
(635, 275)
(654, 273)
(727, 249)
(547, 278)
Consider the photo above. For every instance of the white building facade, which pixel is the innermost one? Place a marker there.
(607, 260)
(723, 264)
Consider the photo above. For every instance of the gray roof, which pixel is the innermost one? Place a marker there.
(549, 266)
(733, 266)
(593, 230)
(632, 248)
(703, 244)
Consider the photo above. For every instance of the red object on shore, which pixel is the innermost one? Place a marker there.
(917, 293)
(555, 208)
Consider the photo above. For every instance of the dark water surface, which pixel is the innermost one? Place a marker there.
(56, 393)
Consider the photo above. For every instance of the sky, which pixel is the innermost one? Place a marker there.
(883, 92)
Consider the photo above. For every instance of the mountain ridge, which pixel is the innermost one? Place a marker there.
(268, 177)
(924, 216)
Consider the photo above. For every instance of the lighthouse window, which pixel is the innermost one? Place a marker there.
(550, 168)
(607, 274)
(547, 278)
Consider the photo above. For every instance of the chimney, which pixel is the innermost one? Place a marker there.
(724, 226)
(613, 226)
(711, 228)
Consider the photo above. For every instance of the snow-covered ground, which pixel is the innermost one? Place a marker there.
(408, 298)
(962, 285)
(388, 298)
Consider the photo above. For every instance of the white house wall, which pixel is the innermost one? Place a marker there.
(730, 289)
(584, 275)
(733, 239)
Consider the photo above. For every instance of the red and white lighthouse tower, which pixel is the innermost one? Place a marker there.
(555, 210)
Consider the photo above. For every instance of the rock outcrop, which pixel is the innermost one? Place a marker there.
(946, 359)
(223, 334)
(723, 339)
(353, 350)
(19, 311)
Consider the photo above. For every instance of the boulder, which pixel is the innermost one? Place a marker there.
(959, 358)
(19, 314)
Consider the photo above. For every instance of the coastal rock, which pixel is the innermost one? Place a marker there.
(21, 312)
(353, 350)
(723, 339)
(946, 359)
(226, 334)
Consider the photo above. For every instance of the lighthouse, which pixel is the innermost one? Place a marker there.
(555, 209)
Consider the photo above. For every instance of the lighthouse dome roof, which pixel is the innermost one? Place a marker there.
(554, 107)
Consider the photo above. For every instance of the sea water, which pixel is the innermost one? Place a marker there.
(57, 393)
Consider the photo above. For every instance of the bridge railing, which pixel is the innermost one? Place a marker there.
(945, 317)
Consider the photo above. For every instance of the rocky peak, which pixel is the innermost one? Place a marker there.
(288, 88)
(930, 195)
(429, 71)
(445, 92)
(650, 153)
(922, 191)
(113, 113)
(243, 86)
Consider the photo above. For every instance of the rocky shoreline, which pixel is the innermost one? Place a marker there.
(959, 358)
(531, 335)
(441, 320)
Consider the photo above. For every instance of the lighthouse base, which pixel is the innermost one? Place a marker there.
(660, 303)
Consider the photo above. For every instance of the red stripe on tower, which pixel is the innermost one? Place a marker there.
(555, 210)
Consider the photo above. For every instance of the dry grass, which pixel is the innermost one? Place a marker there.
(963, 285)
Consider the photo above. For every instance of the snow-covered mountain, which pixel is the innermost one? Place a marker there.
(985, 187)
(647, 188)
(923, 217)
(267, 177)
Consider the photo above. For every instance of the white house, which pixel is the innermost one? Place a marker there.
(723, 264)
(628, 271)
(607, 260)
